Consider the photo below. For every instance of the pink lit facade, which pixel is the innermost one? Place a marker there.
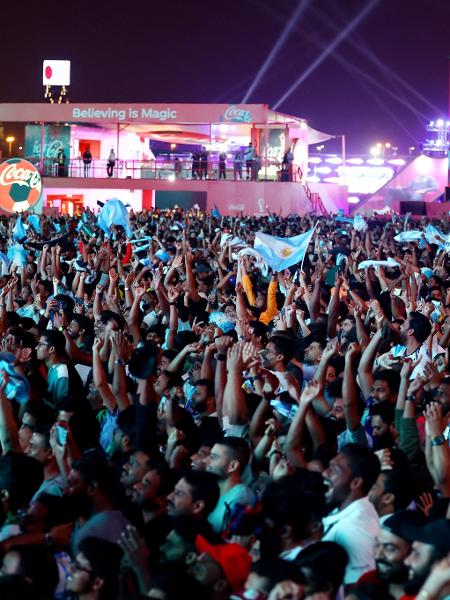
(142, 181)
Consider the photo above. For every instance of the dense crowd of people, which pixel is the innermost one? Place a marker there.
(179, 421)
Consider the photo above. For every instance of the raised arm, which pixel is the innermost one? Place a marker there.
(437, 450)
(100, 379)
(9, 435)
(366, 365)
(350, 390)
(333, 308)
(123, 350)
(294, 439)
(234, 404)
(190, 279)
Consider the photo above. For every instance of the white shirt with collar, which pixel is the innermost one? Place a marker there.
(355, 528)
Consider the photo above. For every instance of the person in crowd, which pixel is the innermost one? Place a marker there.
(182, 412)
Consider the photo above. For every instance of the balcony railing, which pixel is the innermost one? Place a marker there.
(168, 169)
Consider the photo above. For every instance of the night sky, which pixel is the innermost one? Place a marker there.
(199, 51)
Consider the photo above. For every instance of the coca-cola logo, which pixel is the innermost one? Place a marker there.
(20, 185)
(233, 113)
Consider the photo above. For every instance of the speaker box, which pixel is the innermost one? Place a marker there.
(415, 208)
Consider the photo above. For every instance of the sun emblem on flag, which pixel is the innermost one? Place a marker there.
(286, 252)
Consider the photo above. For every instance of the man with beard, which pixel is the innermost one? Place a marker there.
(228, 460)
(81, 331)
(382, 417)
(204, 408)
(392, 546)
(393, 489)
(134, 470)
(353, 521)
(431, 544)
(150, 496)
(195, 494)
(413, 334)
(275, 357)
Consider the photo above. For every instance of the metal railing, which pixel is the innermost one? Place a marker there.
(170, 169)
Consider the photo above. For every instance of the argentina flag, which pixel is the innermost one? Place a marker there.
(281, 253)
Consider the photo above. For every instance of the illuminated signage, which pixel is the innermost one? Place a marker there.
(122, 114)
(56, 72)
(20, 185)
(237, 115)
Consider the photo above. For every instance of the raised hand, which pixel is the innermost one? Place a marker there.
(135, 550)
(98, 344)
(407, 368)
(435, 424)
(250, 356)
(122, 346)
(113, 275)
(139, 291)
(223, 343)
(311, 391)
(234, 358)
(177, 261)
(331, 349)
(415, 386)
(352, 351)
(425, 503)
(129, 279)
(194, 348)
(157, 277)
(173, 294)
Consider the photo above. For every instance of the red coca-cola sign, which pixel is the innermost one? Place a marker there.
(20, 185)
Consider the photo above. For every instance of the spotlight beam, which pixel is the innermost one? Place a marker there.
(376, 98)
(384, 68)
(360, 72)
(351, 67)
(334, 44)
(291, 23)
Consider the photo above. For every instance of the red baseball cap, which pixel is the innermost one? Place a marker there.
(234, 560)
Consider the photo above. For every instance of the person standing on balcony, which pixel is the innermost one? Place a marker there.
(249, 155)
(256, 166)
(87, 159)
(196, 165)
(111, 163)
(203, 163)
(286, 165)
(177, 167)
(237, 165)
(61, 160)
(222, 165)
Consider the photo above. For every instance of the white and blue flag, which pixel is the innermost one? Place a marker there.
(281, 253)
(114, 212)
(19, 233)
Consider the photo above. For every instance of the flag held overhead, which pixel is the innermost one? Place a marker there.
(281, 253)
